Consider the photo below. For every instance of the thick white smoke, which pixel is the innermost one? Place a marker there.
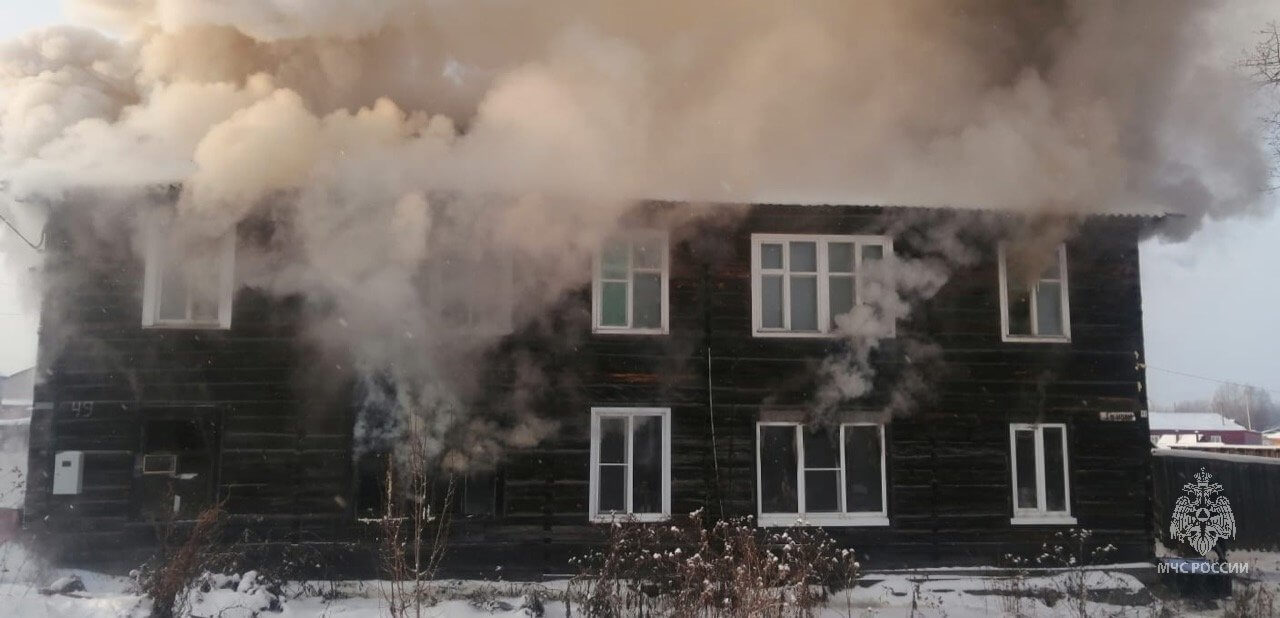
(367, 121)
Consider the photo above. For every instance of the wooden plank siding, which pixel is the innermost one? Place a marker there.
(285, 461)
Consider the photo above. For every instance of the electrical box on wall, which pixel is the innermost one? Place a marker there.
(68, 472)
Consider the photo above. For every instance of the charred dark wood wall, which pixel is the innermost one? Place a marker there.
(285, 461)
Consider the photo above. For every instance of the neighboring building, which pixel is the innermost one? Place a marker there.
(16, 394)
(1184, 428)
(690, 361)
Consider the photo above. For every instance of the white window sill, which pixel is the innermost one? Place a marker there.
(1060, 519)
(617, 330)
(1031, 339)
(789, 520)
(800, 334)
(186, 326)
(608, 518)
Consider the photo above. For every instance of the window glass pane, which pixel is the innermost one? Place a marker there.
(778, 469)
(614, 263)
(646, 465)
(1049, 308)
(648, 253)
(173, 293)
(771, 301)
(804, 257)
(1052, 271)
(204, 300)
(613, 439)
(1025, 454)
(613, 488)
(771, 256)
(647, 311)
(821, 449)
(1055, 491)
(804, 303)
(841, 289)
(1019, 311)
(479, 493)
(840, 257)
(862, 469)
(821, 491)
(613, 301)
(872, 252)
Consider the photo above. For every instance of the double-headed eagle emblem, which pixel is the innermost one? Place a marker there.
(1200, 518)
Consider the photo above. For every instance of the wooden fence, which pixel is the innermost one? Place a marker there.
(1251, 484)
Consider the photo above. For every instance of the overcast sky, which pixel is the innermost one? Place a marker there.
(1211, 305)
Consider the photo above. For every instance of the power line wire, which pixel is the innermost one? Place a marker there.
(1208, 379)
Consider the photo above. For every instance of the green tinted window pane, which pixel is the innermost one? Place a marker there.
(771, 301)
(778, 491)
(862, 480)
(840, 257)
(173, 294)
(648, 253)
(804, 303)
(613, 439)
(771, 256)
(647, 309)
(613, 301)
(821, 491)
(1024, 441)
(804, 257)
(841, 297)
(1019, 311)
(872, 252)
(1049, 308)
(615, 260)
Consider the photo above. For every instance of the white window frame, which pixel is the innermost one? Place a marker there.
(1039, 515)
(594, 499)
(824, 278)
(842, 518)
(597, 289)
(154, 249)
(1065, 294)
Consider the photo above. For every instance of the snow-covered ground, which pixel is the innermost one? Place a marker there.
(25, 591)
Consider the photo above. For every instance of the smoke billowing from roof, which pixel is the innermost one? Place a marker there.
(359, 115)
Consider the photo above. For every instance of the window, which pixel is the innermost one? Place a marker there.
(477, 493)
(471, 294)
(1041, 481)
(800, 284)
(1037, 311)
(820, 476)
(629, 289)
(190, 286)
(175, 467)
(630, 463)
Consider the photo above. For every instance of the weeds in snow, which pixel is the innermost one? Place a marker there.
(731, 568)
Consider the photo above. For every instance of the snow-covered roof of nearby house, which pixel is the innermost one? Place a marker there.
(1192, 421)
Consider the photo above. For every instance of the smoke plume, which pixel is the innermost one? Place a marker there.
(404, 134)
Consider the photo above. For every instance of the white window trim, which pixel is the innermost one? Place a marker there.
(1065, 337)
(154, 245)
(868, 518)
(1039, 516)
(823, 274)
(594, 513)
(597, 289)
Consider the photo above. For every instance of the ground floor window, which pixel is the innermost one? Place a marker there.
(175, 467)
(630, 464)
(829, 476)
(473, 494)
(1041, 478)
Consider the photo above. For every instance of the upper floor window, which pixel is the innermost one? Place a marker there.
(821, 476)
(801, 283)
(1035, 308)
(630, 463)
(1041, 480)
(471, 293)
(189, 285)
(629, 289)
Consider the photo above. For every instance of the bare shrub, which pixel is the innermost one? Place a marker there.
(186, 550)
(1011, 588)
(1072, 552)
(1252, 601)
(414, 534)
(731, 568)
